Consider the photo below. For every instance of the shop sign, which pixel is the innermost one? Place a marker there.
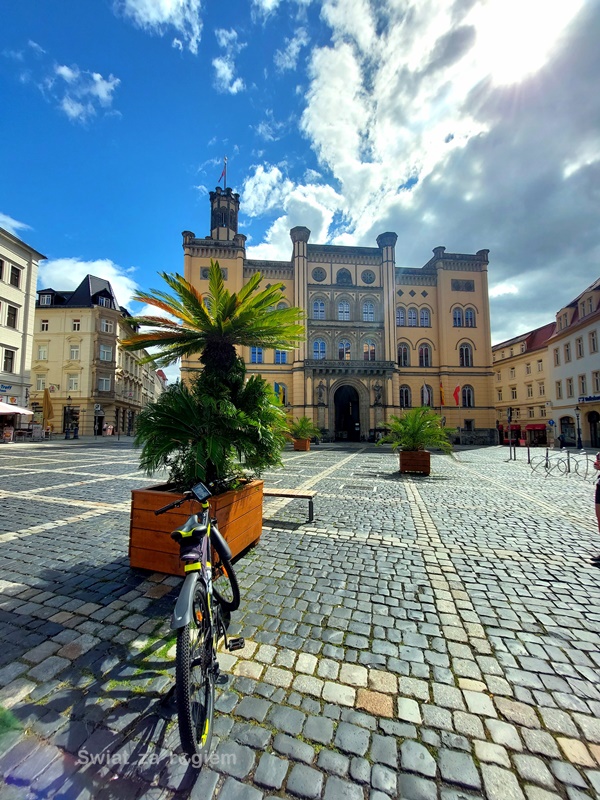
(591, 398)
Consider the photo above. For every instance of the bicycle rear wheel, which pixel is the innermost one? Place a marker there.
(195, 681)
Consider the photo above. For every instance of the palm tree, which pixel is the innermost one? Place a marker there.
(416, 430)
(212, 325)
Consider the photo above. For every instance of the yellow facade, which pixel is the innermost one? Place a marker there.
(379, 338)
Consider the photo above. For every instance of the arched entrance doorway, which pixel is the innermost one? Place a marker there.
(594, 423)
(347, 416)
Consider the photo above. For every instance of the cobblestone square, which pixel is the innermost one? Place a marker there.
(429, 637)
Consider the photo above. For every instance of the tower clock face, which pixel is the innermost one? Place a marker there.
(368, 276)
(319, 274)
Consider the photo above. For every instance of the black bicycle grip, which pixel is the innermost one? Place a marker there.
(174, 504)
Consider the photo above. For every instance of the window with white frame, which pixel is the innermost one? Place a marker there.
(104, 384)
(579, 347)
(567, 352)
(542, 411)
(541, 389)
(400, 317)
(558, 388)
(469, 317)
(44, 325)
(11, 317)
(468, 397)
(104, 302)
(40, 383)
(42, 352)
(405, 397)
(106, 352)
(344, 350)
(45, 299)
(424, 355)
(319, 349)
(74, 352)
(368, 312)
(457, 318)
(412, 317)
(556, 357)
(512, 372)
(15, 276)
(281, 356)
(569, 387)
(513, 392)
(499, 395)
(529, 388)
(596, 381)
(425, 319)
(593, 337)
(403, 355)
(9, 360)
(465, 355)
(582, 384)
(76, 325)
(107, 325)
(369, 350)
(73, 382)
(540, 365)
(498, 376)
(318, 309)
(344, 310)
(531, 413)
(528, 369)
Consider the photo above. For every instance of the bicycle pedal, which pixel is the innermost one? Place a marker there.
(236, 643)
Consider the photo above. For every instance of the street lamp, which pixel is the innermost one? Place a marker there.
(68, 418)
(579, 442)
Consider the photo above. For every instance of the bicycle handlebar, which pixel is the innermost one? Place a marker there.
(175, 504)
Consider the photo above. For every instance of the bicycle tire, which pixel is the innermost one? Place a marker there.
(226, 590)
(195, 681)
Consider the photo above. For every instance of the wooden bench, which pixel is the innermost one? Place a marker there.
(295, 494)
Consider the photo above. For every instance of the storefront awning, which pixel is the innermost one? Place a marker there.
(535, 426)
(8, 408)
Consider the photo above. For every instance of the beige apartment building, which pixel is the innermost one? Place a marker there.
(379, 338)
(18, 276)
(522, 388)
(95, 387)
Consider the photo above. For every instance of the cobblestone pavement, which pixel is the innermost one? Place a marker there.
(422, 638)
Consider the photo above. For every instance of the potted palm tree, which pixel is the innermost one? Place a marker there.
(215, 425)
(412, 433)
(302, 430)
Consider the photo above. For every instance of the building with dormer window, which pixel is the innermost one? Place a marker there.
(379, 337)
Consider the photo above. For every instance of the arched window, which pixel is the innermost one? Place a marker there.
(412, 317)
(318, 309)
(344, 310)
(424, 355)
(457, 318)
(344, 350)
(405, 398)
(465, 354)
(369, 350)
(425, 318)
(403, 355)
(319, 349)
(468, 397)
(368, 312)
(400, 317)
(426, 395)
(343, 277)
(469, 317)
(281, 392)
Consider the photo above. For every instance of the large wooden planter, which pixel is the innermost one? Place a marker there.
(238, 512)
(418, 461)
(301, 444)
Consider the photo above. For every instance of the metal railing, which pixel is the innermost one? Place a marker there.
(563, 463)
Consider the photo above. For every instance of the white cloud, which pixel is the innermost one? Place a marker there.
(287, 57)
(225, 69)
(264, 190)
(85, 91)
(158, 16)
(13, 225)
(67, 274)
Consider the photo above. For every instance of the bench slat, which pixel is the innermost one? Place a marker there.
(293, 493)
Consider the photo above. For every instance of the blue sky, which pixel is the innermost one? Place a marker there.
(470, 124)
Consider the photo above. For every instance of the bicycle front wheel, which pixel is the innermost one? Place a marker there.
(195, 681)
(226, 589)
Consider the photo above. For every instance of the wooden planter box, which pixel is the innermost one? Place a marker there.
(239, 513)
(301, 444)
(417, 461)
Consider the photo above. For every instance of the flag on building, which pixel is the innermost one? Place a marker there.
(442, 398)
(224, 173)
(426, 398)
(456, 395)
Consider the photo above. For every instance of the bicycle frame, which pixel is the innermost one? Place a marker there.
(182, 613)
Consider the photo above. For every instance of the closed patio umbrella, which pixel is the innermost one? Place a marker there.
(47, 410)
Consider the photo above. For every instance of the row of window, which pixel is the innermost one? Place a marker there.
(343, 311)
(106, 325)
(579, 348)
(10, 274)
(426, 396)
(465, 355)
(582, 385)
(541, 386)
(105, 352)
(528, 370)
(532, 412)
(410, 317)
(257, 356)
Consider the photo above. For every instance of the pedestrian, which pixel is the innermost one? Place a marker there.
(596, 558)
(561, 440)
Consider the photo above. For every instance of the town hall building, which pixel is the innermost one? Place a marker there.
(379, 338)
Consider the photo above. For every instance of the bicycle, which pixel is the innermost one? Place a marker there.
(200, 622)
